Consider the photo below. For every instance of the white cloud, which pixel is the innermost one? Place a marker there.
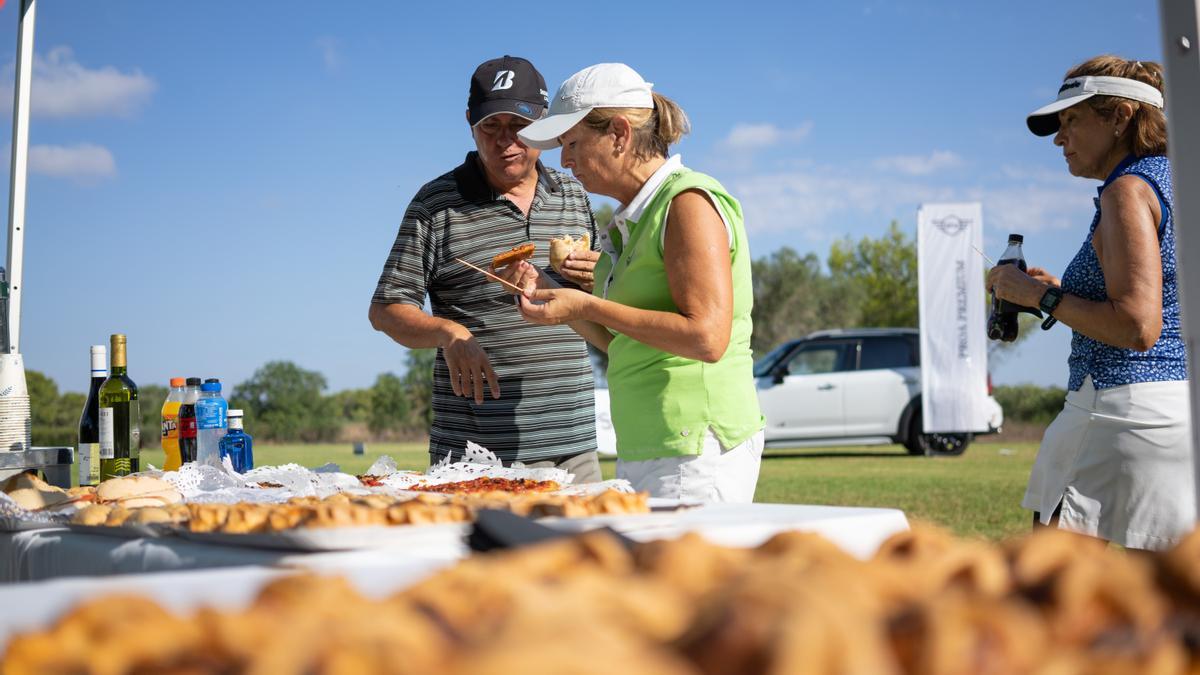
(331, 56)
(1036, 199)
(1036, 207)
(81, 162)
(62, 87)
(817, 203)
(919, 165)
(751, 137)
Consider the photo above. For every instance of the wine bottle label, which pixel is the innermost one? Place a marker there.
(107, 445)
(87, 456)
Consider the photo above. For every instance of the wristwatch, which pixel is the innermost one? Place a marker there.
(1048, 304)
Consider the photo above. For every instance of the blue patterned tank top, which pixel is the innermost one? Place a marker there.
(1112, 366)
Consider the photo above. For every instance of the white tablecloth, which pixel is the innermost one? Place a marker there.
(59, 552)
(190, 574)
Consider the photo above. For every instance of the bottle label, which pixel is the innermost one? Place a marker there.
(87, 455)
(135, 428)
(187, 427)
(107, 446)
(170, 427)
(211, 416)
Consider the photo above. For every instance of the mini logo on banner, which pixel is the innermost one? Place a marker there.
(504, 80)
(952, 224)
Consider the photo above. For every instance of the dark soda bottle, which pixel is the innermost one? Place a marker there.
(1002, 323)
(187, 421)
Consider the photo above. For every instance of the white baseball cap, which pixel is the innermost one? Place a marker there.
(1044, 120)
(604, 85)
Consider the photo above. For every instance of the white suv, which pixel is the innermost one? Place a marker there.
(852, 387)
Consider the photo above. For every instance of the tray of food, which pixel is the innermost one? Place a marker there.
(343, 521)
(293, 508)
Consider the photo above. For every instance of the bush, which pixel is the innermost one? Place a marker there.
(55, 416)
(283, 402)
(1030, 403)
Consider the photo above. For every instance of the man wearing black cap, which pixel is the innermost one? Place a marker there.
(523, 391)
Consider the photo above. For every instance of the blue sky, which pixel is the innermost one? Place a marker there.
(222, 181)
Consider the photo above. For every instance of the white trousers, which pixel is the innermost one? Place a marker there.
(715, 475)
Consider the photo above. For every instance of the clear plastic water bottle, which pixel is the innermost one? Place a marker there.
(237, 445)
(211, 422)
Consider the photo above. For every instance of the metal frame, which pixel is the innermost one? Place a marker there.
(54, 463)
(17, 178)
(1181, 59)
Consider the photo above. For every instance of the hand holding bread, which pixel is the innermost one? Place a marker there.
(574, 260)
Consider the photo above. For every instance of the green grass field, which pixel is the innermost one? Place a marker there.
(977, 494)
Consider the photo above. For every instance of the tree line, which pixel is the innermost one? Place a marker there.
(871, 282)
(281, 400)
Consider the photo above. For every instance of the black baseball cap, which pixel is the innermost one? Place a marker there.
(509, 84)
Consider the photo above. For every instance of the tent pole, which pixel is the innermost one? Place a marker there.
(1181, 59)
(17, 176)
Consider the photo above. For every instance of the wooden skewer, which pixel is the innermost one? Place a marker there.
(492, 276)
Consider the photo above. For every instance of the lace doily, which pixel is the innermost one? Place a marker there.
(590, 489)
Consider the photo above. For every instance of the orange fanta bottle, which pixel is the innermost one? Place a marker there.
(170, 426)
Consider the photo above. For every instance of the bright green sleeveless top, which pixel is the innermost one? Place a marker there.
(661, 403)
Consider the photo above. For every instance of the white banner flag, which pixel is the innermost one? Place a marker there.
(953, 317)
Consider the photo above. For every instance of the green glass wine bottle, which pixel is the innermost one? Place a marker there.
(120, 435)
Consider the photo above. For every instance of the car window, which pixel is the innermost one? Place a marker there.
(817, 359)
(763, 366)
(599, 368)
(885, 352)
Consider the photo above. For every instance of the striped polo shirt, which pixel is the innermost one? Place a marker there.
(546, 404)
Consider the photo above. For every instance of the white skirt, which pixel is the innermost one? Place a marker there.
(1119, 461)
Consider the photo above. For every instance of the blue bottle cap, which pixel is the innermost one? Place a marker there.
(211, 386)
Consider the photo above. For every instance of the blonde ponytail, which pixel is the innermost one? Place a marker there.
(654, 131)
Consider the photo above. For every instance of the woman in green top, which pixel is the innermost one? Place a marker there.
(672, 296)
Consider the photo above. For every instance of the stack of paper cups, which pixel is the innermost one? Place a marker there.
(16, 425)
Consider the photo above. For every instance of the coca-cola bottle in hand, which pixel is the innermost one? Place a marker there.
(1002, 322)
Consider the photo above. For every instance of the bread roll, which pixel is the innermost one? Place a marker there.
(96, 514)
(132, 492)
(33, 499)
(561, 247)
(26, 481)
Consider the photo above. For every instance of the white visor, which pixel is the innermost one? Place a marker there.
(1044, 120)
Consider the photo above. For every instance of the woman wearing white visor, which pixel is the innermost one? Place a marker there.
(672, 297)
(1116, 463)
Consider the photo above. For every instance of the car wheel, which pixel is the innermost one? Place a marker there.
(921, 443)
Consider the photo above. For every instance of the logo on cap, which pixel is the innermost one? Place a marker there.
(1070, 85)
(504, 80)
(524, 109)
